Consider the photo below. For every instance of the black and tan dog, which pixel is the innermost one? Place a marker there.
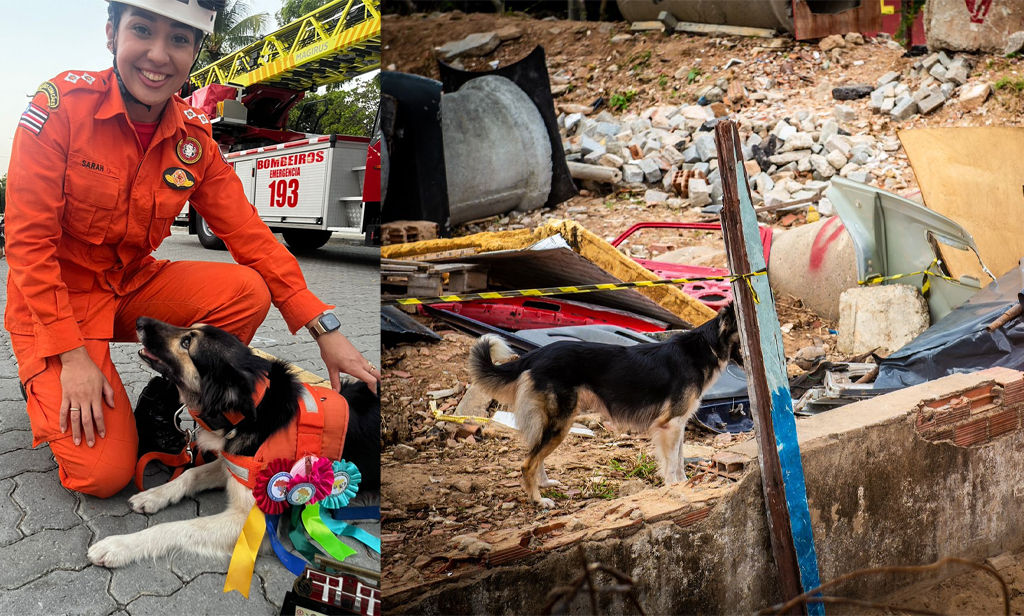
(656, 387)
(216, 374)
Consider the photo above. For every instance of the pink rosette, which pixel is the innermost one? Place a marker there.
(269, 487)
(316, 472)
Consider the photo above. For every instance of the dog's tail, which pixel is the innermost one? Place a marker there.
(497, 381)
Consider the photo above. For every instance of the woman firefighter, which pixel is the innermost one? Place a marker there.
(102, 163)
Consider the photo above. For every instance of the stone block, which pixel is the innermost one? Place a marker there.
(930, 103)
(904, 107)
(631, 174)
(845, 114)
(877, 98)
(699, 192)
(938, 71)
(652, 172)
(882, 318)
(957, 74)
(889, 77)
(654, 197)
(1014, 43)
(832, 42)
(705, 145)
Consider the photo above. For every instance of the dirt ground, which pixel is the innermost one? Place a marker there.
(453, 485)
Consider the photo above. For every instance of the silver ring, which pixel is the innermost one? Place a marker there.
(74, 409)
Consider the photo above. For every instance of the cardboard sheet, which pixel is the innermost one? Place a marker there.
(974, 176)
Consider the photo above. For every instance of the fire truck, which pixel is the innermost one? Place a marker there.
(308, 187)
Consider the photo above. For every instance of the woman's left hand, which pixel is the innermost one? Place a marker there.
(340, 356)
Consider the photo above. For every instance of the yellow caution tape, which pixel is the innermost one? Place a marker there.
(590, 288)
(925, 286)
(459, 419)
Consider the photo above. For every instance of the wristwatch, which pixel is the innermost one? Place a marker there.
(326, 323)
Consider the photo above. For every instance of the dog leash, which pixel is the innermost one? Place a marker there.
(590, 288)
(178, 461)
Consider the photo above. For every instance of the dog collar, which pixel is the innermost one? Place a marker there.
(232, 418)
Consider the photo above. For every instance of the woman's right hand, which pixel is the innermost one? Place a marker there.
(83, 391)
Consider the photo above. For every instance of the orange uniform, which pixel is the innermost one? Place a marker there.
(86, 207)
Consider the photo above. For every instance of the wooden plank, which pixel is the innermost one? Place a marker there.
(789, 520)
(808, 25)
(724, 30)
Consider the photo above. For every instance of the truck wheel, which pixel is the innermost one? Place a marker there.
(305, 240)
(206, 236)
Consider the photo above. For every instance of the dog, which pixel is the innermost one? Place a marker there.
(656, 387)
(216, 374)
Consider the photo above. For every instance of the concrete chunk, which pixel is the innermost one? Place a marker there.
(882, 318)
(974, 95)
(479, 44)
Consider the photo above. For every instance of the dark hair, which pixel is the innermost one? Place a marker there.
(115, 10)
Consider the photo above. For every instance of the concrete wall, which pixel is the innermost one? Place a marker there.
(907, 478)
(971, 25)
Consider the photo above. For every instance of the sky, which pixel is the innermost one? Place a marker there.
(74, 40)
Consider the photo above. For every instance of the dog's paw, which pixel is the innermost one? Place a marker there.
(111, 552)
(551, 483)
(149, 501)
(546, 503)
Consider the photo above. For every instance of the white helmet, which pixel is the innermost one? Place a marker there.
(199, 14)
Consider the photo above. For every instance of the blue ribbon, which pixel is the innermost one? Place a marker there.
(291, 562)
(356, 513)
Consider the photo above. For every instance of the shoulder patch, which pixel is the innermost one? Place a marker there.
(34, 118)
(52, 94)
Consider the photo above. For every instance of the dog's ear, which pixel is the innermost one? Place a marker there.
(727, 321)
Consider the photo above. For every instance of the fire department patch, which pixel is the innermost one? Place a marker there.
(34, 118)
(179, 179)
(190, 114)
(52, 95)
(189, 150)
(87, 78)
(73, 78)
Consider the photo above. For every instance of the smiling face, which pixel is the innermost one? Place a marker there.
(154, 57)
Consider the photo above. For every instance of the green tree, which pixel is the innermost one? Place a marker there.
(293, 9)
(345, 112)
(236, 27)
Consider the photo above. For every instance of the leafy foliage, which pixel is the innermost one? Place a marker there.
(622, 100)
(642, 467)
(293, 9)
(236, 27)
(345, 112)
(1006, 82)
(693, 75)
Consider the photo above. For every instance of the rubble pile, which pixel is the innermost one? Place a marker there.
(670, 151)
(938, 77)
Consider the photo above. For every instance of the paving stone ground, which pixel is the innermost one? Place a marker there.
(45, 529)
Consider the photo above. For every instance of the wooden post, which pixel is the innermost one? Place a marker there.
(782, 476)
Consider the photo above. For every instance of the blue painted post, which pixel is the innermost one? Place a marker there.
(789, 519)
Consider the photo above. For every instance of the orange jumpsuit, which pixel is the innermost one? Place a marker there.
(85, 208)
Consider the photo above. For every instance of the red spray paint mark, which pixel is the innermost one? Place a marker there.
(978, 10)
(821, 242)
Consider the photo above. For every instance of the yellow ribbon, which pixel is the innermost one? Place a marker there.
(459, 419)
(322, 535)
(243, 559)
(926, 284)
